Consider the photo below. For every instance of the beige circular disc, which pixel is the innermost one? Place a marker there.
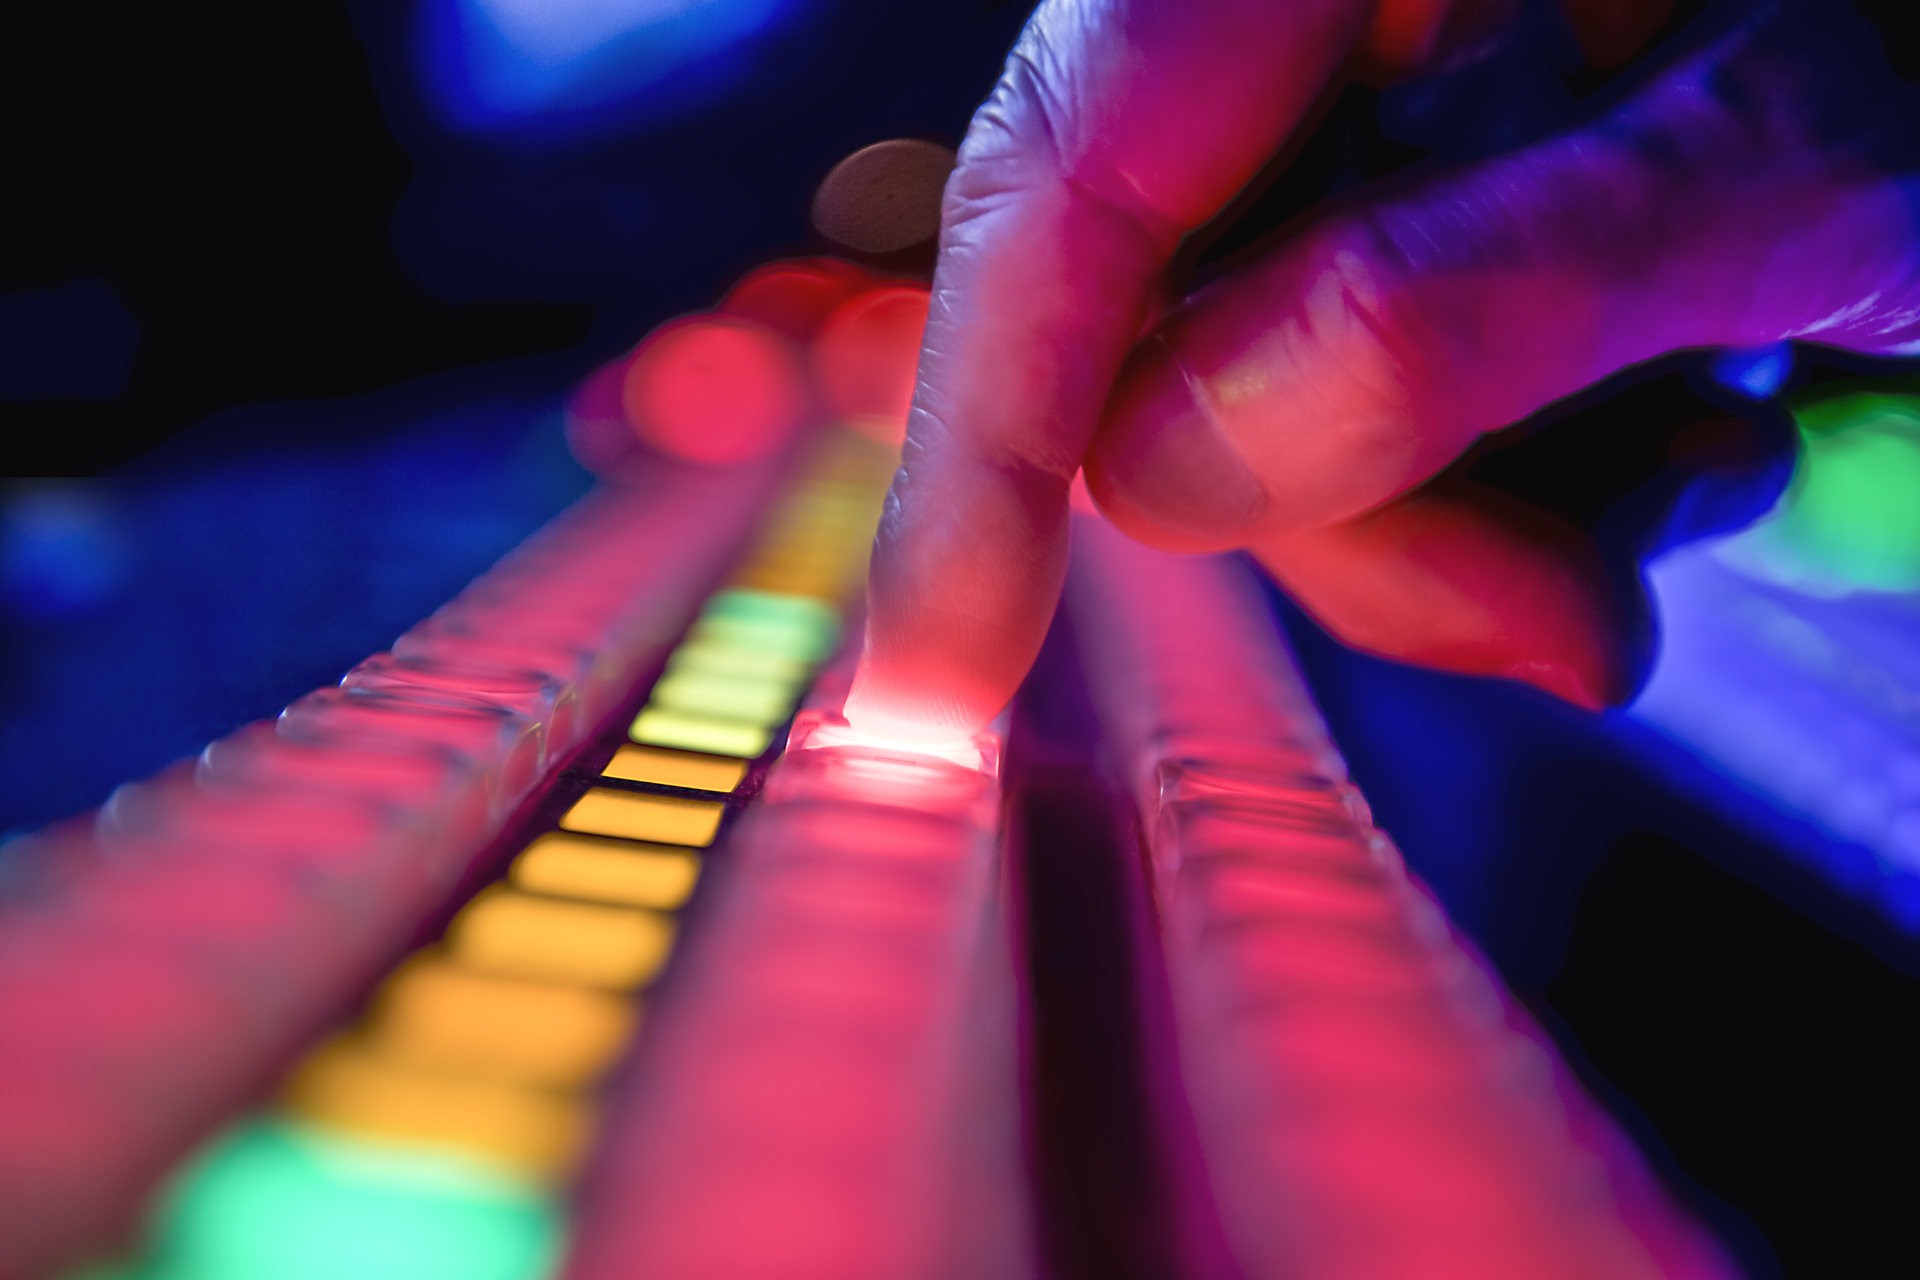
(884, 198)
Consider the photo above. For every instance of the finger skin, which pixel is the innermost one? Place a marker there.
(1283, 407)
(1359, 358)
(1076, 181)
(1468, 580)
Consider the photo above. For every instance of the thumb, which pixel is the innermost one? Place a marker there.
(1720, 207)
(1296, 407)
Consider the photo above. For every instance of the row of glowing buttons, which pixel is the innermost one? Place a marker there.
(757, 644)
(489, 1040)
(465, 1093)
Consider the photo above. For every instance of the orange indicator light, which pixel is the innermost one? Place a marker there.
(602, 871)
(675, 768)
(530, 1131)
(626, 816)
(551, 940)
(436, 1016)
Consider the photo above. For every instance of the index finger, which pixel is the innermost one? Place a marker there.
(1118, 127)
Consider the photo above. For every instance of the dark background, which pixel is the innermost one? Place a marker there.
(308, 346)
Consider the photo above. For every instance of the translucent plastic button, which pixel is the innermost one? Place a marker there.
(751, 664)
(249, 929)
(436, 1016)
(828, 759)
(205, 904)
(139, 1021)
(1311, 814)
(725, 697)
(520, 689)
(518, 935)
(443, 786)
(1248, 890)
(263, 822)
(500, 637)
(565, 663)
(675, 769)
(895, 833)
(1361, 964)
(1187, 835)
(568, 866)
(662, 727)
(533, 694)
(820, 728)
(295, 1201)
(505, 744)
(536, 606)
(885, 779)
(533, 1131)
(660, 819)
(554, 587)
(859, 894)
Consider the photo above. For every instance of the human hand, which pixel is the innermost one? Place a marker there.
(1759, 189)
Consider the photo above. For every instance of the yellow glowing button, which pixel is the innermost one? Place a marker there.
(725, 697)
(675, 769)
(627, 816)
(660, 727)
(824, 587)
(532, 1131)
(517, 935)
(436, 1016)
(718, 660)
(601, 871)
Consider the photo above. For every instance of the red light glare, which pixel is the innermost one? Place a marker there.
(715, 390)
(794, 297)
(866, 356)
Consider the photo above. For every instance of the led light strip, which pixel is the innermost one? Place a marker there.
(1367, 1101)
(830, 1087)
(160, 960)
(464, 1100)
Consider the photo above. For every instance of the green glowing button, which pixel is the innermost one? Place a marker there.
(741, 602)
(762, 621)
(274, 1200)
(1854, 507)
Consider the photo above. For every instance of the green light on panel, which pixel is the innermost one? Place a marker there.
(790, 626)
(279, 1201)
(1852, 512)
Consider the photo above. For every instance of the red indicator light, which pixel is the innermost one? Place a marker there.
(866, 356)
(794, 297)
(715, 390)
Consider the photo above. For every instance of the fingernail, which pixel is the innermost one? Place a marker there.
(1161, 455)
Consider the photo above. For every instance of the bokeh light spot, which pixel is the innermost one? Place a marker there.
(866, 357)
(1856, 508)
(297, 1203)
(794, 297)
(715, 390)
